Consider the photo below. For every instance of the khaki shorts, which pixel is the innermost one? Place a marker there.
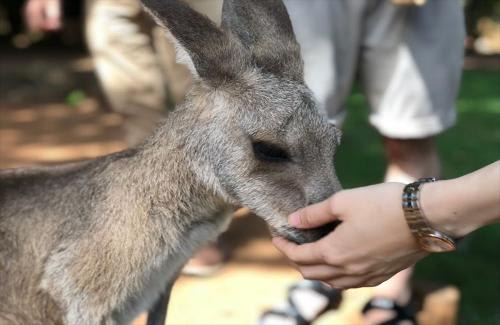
(408, 60)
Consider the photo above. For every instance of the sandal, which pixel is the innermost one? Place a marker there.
(291, 314)
(402, 313)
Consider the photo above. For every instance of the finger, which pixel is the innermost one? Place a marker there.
(348, 282)
(321, 272)
(300, 254)
(52, 24)
(359, 281)
(376, 280)
(53, 9)
(313, 216)
(53, 15)
(33, 15)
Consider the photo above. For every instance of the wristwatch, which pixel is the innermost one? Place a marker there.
(429, 239)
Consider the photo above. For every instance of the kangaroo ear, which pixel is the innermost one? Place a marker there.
(200, 44)
(264, 27)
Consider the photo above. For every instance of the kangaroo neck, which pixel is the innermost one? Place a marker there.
(162, 176)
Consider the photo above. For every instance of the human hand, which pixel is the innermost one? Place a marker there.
(43, 15)
(372, 243)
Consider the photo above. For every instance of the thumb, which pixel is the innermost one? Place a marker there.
(314, 215)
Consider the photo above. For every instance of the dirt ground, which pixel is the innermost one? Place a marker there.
(41, 124)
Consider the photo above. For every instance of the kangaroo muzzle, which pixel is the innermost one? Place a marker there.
(303, 236)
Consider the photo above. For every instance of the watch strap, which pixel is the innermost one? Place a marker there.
(411, 206)
(417, 222)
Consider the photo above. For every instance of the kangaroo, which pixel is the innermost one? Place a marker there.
(96, 242)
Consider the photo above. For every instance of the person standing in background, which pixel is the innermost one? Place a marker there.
(407, 56)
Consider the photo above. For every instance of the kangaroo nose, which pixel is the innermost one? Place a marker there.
(315, 234)
(303, 236)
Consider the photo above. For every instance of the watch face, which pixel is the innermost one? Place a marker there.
(436, 243)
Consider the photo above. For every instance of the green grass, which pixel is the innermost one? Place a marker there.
(474, 142)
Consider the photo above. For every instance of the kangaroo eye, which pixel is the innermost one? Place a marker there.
(269, 152)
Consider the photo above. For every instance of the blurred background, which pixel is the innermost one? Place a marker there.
(52, 110)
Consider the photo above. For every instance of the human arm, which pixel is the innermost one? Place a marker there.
(374, 242)
(462, 205)
(43, 15)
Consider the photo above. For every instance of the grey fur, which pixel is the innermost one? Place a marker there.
(95, 242)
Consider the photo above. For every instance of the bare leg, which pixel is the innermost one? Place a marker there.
(408, 160)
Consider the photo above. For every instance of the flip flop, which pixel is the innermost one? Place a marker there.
(292, 313)
(402, 313)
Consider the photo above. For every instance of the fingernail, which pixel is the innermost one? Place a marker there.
(294, 219)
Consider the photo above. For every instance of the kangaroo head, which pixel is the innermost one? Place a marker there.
(258, 131)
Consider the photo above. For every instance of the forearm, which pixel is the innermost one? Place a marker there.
(462, 205)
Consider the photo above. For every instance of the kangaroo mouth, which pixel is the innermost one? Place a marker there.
(303, 236)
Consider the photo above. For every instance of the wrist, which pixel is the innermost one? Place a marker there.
(429, 238)
(441, 204)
